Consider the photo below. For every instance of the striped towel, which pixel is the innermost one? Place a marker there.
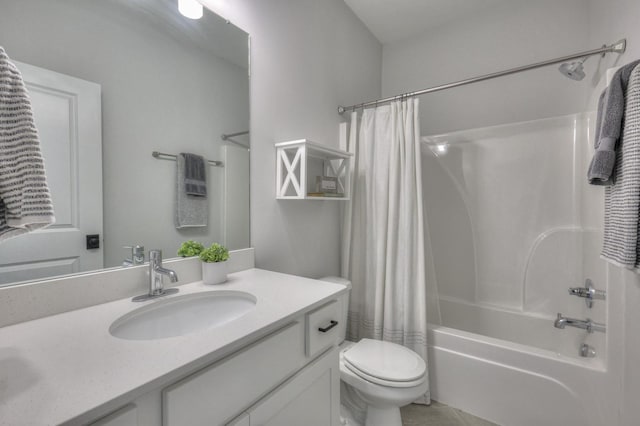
(622, 200)
(25, 202)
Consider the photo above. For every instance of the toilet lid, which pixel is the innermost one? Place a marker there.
(385, 363)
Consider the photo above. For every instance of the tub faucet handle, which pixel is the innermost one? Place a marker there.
(588, 292)
(579, 291)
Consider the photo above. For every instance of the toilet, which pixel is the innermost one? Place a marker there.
(376, 377)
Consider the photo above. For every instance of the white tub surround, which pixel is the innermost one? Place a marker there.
(516, 225)
(68, 369)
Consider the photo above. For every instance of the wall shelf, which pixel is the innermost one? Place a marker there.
(300, 163)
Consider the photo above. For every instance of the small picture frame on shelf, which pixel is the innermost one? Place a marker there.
(326, 184)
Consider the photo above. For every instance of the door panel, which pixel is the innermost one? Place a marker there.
(68, 116)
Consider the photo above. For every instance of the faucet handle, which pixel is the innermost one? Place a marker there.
(588, 292)
(155, 256)
(137, 254)
(579, 291)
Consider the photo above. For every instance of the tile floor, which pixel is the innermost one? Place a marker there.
(438, 414)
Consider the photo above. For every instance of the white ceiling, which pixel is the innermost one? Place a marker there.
(393, 20)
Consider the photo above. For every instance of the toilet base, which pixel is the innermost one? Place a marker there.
(383, 416)
(347, 418)
(375, 416)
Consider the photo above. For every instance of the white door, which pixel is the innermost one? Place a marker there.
(68, 116)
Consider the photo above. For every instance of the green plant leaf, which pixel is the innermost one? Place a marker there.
(215, 253)
(190, 248)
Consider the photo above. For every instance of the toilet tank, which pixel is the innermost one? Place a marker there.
(343, 300)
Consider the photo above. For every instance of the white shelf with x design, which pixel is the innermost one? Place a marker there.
(301, 163)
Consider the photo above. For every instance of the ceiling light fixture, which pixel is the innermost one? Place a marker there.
(191, 9)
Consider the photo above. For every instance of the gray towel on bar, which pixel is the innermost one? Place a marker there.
(191, 210)
(622, 199)
(25, 201)
(611, 106)
(195, 174)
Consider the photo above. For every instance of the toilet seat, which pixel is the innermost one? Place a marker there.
(385, 363)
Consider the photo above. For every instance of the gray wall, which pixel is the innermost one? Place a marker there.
(491, 40)
(307, 57)
(158, 93)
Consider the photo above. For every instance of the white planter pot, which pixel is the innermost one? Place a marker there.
(214, 272)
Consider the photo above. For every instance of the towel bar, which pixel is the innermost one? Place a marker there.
(163, 156)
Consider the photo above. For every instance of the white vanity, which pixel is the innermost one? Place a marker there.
(60, 359)
(270, 366)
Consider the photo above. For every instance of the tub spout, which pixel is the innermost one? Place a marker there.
(561, 322)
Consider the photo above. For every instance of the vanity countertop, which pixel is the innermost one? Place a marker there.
(67, 368)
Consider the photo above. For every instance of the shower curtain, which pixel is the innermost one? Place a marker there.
(383, 247)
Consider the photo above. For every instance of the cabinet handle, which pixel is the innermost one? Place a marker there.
(329, 327)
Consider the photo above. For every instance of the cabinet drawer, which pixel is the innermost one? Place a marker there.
(221, 391)
(322, 328)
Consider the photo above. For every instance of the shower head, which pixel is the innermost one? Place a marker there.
(573, 70)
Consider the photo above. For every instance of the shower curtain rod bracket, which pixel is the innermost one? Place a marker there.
(618, 47)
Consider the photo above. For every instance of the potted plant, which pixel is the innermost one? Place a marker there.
(190, 248)
(214, 264)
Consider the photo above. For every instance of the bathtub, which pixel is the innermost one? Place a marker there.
(512, 384)
(528, 328)
(512, 225)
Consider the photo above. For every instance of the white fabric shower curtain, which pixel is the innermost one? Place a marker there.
(383, 247)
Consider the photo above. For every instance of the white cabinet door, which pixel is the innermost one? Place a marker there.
(221, 391)
(310, 398)
(68, 116)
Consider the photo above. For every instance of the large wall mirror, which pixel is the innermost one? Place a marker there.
(111, 82)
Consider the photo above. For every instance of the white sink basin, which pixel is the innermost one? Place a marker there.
(182, 315)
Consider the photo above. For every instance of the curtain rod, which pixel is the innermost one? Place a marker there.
(226, 136)
(618, 47)
(163, 156)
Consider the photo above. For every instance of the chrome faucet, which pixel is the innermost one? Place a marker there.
(156, 272)
(137, 256)
(561, 322)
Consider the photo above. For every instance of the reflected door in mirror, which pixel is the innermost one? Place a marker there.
(67, 112)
